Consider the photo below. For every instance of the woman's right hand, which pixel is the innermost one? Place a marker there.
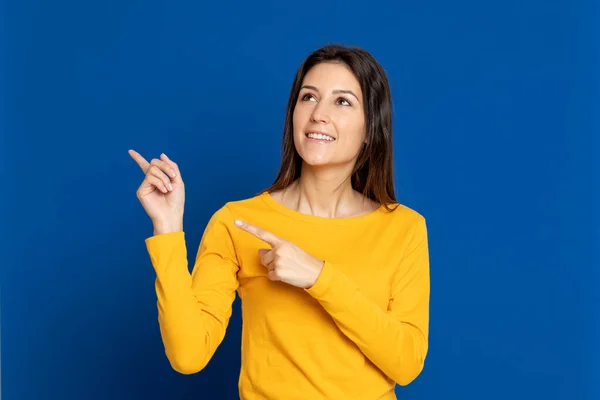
(161, 193)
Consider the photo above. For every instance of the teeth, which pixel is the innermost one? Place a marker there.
(320, 136)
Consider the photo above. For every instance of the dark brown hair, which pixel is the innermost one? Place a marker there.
(373, 172)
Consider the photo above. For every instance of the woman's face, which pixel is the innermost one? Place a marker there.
(329, 122)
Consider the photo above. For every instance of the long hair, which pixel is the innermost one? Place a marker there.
(372, 174)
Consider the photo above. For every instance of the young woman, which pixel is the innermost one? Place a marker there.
(332, 272)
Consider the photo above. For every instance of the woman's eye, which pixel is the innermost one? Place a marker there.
(344, 102)
(307, 97)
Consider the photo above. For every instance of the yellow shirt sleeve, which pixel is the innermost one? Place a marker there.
(194, 309)
(396, 340)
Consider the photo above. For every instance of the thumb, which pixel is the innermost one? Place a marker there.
(262, 252)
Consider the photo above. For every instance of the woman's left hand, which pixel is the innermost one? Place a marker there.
(285, 261)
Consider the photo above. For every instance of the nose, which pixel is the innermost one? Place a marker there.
(319, 114)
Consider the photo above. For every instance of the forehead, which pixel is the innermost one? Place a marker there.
(331, 75)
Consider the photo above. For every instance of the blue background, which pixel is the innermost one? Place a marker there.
(496, 142)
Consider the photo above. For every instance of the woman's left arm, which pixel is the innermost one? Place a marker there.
(395, 340)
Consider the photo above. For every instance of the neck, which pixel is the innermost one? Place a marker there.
(324, 192)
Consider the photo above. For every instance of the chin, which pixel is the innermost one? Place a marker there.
(314, 160)
(314, 164)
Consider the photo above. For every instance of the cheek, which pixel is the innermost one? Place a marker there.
(295, 125)
(351, 127)
(299, 118)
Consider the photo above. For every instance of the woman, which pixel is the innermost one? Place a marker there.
(332, 272)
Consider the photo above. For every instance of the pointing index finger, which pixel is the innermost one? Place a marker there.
(260, 233)
(141, 161)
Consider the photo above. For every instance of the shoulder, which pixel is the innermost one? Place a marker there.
(237, 208)
(252, 203)
(402, 212)
(405, 220)
(221, 220)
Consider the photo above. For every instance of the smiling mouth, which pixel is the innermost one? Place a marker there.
(320, 137)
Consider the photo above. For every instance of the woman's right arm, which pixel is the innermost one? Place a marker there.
(193, 309)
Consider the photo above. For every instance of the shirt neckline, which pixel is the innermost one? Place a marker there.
(277, 206)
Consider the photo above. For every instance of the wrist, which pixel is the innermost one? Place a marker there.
(162, 227)
(318, 269)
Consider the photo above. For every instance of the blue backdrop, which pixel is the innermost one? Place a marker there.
(496, 143)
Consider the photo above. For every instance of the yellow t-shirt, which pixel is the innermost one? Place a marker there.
(362, 328)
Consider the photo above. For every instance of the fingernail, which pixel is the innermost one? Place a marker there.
(170, 187)
(238, 222)
(173, 173)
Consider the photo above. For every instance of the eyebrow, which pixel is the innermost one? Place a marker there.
(334, 92)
